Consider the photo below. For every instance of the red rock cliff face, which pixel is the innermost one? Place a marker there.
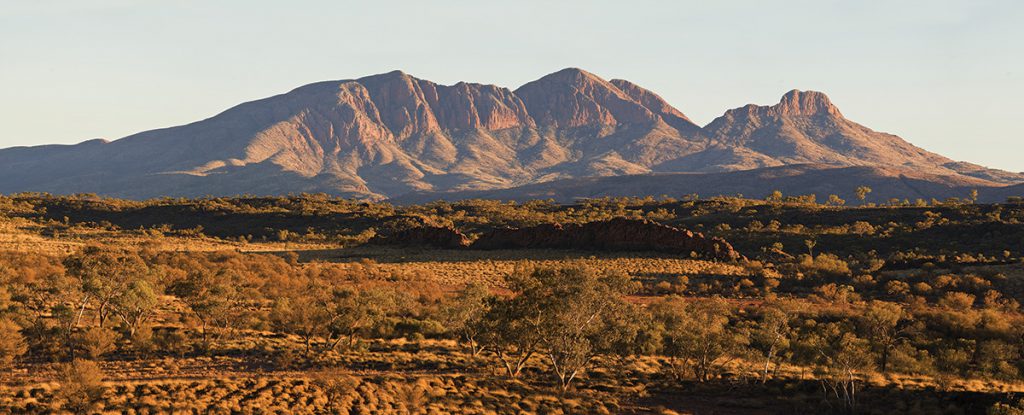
(614, 235)
(474, 106)
(402, 102)
(411, 106)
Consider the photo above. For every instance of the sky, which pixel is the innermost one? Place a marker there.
(945, 75)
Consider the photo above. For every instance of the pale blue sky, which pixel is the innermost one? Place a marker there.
(945, 75)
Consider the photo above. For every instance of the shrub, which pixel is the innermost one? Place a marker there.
(412, 397)
(12, 344)
(410, 327)
(285, 359)
(143, 340)
(172, 342)
(1002, 408)
(81, 386)
(955, 300)
(96, 342)
(336, 384)
(824, 264)
(836, 294)
(46, 343)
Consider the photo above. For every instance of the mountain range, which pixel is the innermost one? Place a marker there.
(566, 135)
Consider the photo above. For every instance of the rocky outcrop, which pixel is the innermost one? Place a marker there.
(613, 235)
(798, 102)
(430, 236)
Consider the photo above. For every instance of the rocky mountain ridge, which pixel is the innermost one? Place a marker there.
(388, 135)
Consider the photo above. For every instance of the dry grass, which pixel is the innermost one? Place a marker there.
(416, 394)
(22, 235)
(401, 377)
(456, 268)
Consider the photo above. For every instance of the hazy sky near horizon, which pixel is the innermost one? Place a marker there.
(945, 75)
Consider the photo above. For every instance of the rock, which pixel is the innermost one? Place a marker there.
(444, 237)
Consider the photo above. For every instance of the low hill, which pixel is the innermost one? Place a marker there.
(820, 180)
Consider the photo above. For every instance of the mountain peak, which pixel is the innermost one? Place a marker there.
(94, 141)
(798, 102)
(395, 75)
(573, 97)
(572, 75)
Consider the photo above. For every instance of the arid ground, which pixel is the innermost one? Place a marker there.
(310, 304)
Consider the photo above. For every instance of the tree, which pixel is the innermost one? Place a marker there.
(319, 308)
(772, 333)
(354, 312)
(882, 325)
(303, 309)
(577, 303)
(560, 312)
(66, 319)
(835, 200)
(218, 300)
(135, 305)
(465, 313)
(628, 330)
(810, 243)
(862, 193)
(104, 275)
(841, 357)
(38, 296)
(509, 330)
(697, 336)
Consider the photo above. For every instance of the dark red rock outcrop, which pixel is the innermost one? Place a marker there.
(613, 235)
(433, 236)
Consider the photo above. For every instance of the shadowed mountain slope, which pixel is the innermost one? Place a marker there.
(817, 179)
